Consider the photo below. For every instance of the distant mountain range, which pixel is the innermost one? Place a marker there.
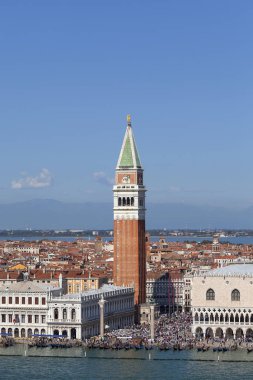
(51, 214)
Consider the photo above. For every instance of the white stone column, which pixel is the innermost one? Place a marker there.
(152, 322)
(101, 306)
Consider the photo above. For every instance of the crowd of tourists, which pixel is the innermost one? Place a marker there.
(170, 332)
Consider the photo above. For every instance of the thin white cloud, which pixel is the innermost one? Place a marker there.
(102, 178)
(43, 179)
(174, 189)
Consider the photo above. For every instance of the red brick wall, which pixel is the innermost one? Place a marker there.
(130, 256)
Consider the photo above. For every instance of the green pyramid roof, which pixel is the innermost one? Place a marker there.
(129, 157)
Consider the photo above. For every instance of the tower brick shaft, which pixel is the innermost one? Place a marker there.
(129, 219)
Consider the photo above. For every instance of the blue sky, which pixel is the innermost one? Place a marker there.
(70, 72)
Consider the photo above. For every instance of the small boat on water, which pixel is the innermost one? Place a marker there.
(41, 345)
(127, 346)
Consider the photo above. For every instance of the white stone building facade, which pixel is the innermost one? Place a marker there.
(77, 315)
(222, 302)
(28, 309)
(166, 291)
(24, 308)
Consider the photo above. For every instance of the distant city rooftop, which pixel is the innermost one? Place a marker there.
(105, 290)
(27, 287)
(233, 270)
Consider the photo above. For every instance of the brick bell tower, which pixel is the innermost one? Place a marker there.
(129, 219)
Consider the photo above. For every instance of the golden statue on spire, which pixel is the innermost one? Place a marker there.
(128, 119)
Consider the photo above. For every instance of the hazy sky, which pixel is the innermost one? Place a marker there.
(70, 72)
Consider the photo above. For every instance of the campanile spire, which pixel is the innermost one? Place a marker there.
(128, 157)
(129, 218)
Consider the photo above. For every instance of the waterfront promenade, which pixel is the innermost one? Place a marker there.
(171, 333)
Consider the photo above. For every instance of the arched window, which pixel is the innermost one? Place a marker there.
(132, 201)
(210, 295)
(119, 201)
(235, 295)
(64, 314)
(73, 314)
(124, 201)
(128, 201)
(56, 314)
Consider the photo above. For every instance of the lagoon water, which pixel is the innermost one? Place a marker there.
(230, 239)
(18, 362)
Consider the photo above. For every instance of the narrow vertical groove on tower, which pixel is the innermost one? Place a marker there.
(129, 219)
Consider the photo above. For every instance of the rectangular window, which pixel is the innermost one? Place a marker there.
(23, 318)
(23, 300)
(3, 300)
(3, 317)
(10, 299)
(36, 319)
(29, 318)
(29, 300)
(10, 318)
(43, 301)
(16, 300)
(43, 319)
(36, 300)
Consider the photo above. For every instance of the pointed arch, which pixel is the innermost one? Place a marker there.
(210, 295)
(235, 295)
